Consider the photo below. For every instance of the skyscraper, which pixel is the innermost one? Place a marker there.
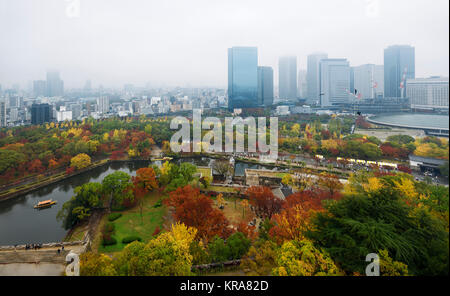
(313, 77)
(2, 113)
(265, 86)
(398, 60)
(55, 86)
(287, 77)
(242, 77)
(369, 80)
(334, 82)
(302, 84)
(39, 88)
(40, 113)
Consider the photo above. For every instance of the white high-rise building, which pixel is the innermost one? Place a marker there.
(428, 93)
(13, 115)
(369, 80)
(334, 82)
(103, 104)
(63, 114)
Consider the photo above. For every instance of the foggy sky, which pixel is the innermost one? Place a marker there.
(184, 42)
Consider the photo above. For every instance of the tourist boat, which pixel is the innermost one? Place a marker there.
(45, 204)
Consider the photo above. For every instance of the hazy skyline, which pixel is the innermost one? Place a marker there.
(181, 43)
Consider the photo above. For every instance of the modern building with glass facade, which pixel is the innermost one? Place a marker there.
(265, 86)
(398, 59)
(334, 82)
(40, 113)
(242, 77)
(313, 78)
(287, 78)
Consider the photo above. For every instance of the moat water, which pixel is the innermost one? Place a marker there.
(20, 223)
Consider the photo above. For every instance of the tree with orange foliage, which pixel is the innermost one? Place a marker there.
(196, 210)
(293, 221)
(248, 230)
(264, 202)
(52, 164)
(330, 182)
(144, 182)
(36, 166)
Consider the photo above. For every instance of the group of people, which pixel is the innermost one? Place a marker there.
(33, 246)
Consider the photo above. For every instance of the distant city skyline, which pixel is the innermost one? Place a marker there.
(115, 43)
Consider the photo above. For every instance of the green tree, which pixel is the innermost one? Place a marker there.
(118, 186)
(86, 199)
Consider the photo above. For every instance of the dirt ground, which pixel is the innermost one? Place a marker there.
(385, 133)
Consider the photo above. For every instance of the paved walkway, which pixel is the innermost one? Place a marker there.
(45, 255)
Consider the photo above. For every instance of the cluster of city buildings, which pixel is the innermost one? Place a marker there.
(328, 84)
(334, 83)
(36, 106)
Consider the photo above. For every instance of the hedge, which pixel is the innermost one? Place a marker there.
(114, 216)
(131, 238)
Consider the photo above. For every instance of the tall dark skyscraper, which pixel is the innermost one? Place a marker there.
(397, 60)
(55, 86)
(265, 86)
(40, 113)
(313, 77)
(242, 77)
(287, 78)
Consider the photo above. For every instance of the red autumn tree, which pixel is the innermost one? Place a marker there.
(249, 231)
(264, 202)
(36, 166)
(145, 181)
(294, 219)
(196, 210)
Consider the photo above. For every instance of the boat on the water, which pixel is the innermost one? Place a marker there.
(45, 204)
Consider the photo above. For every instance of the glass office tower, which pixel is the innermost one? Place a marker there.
(40, 113)
(242, 77)
(265, 86)
(397, 59)
(287, 78)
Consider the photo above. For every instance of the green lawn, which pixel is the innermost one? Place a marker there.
(131, 223)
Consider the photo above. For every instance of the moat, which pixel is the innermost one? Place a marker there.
(20, 223)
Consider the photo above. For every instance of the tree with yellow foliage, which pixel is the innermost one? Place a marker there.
(166, 255)
(80, 161)
(406, 188)
(244, 204)
(94, 264)
(220, 200)
(301, 258)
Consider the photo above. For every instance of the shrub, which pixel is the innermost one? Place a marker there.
(158, 204)
(109, 241)
(114, 216)
(131, 238)
(109, 228)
